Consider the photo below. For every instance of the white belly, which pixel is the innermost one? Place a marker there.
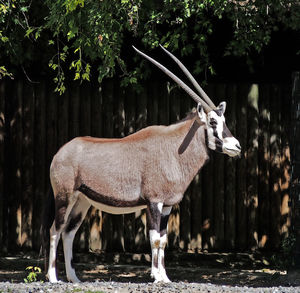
(115, 210)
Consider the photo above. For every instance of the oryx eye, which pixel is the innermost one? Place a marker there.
(213, 122)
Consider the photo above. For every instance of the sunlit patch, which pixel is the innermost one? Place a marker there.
(263, 241)
(206, 224)
(127, 275)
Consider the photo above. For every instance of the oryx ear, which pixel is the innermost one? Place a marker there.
(201, 113)
(221, 108)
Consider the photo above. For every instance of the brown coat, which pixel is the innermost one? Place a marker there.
(144, 166)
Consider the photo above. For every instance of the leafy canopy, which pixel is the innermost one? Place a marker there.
(88, 37)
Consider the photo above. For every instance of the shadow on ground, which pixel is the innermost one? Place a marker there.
(234, 269)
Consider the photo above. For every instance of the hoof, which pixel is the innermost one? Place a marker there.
(74, 280)
(157, 277)
(164, 281)
(52, 279)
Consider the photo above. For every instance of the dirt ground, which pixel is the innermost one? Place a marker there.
(234, 269)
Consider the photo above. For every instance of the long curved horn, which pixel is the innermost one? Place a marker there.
(191, 78)
(206, 107)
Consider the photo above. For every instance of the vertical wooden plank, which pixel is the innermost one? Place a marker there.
(15, 170)
(39, 160)
(275, 170)
(95, 219)
(163, 104)
(285, 160)
(141, 237)
(252, 165)
(264, 165)
(295, 164)
(208, 237)
(63, 119)
(130, 114)
(27, 165)
(74, 108)
(2, 157)
(230, 174)
(108, 131)
(7, 164)
(185, 205)
(85, 110)
(152, 105)
(174, 220)
(51, 126)
(241, 168)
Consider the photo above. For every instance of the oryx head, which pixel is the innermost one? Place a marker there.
(219, 137)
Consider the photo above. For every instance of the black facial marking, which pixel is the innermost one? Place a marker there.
(226, 132)
(107, 200)
(153, 216)
(219, 145)
(74, 222)
(218, 141)
(213, 122)
(215, 132)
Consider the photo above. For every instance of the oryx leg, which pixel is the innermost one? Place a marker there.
(74, 221)
(163, 242)
(63, 205)
(156, 220)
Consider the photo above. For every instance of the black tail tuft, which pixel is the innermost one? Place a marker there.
(47, 221)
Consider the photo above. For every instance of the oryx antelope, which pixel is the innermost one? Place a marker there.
(150, 169)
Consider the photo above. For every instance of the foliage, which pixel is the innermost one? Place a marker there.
(285, 259)
(33, 274)
(88, 37)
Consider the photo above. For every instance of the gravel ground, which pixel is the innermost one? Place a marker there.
(131, 273)
(97, 287)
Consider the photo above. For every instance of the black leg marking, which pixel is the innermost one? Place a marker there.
(74, 222)
(155, 261)
(163, 224)
(153, 216)
(72, 263)
(163, 262)
(61, 204)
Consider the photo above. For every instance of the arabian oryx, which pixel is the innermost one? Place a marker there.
(149, 169)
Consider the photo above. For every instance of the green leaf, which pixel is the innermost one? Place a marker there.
(4, 39)
(77, 76)
(24, 9)
(28, 32)
(29, 268)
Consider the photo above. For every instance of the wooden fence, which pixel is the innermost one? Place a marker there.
(231, 204)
